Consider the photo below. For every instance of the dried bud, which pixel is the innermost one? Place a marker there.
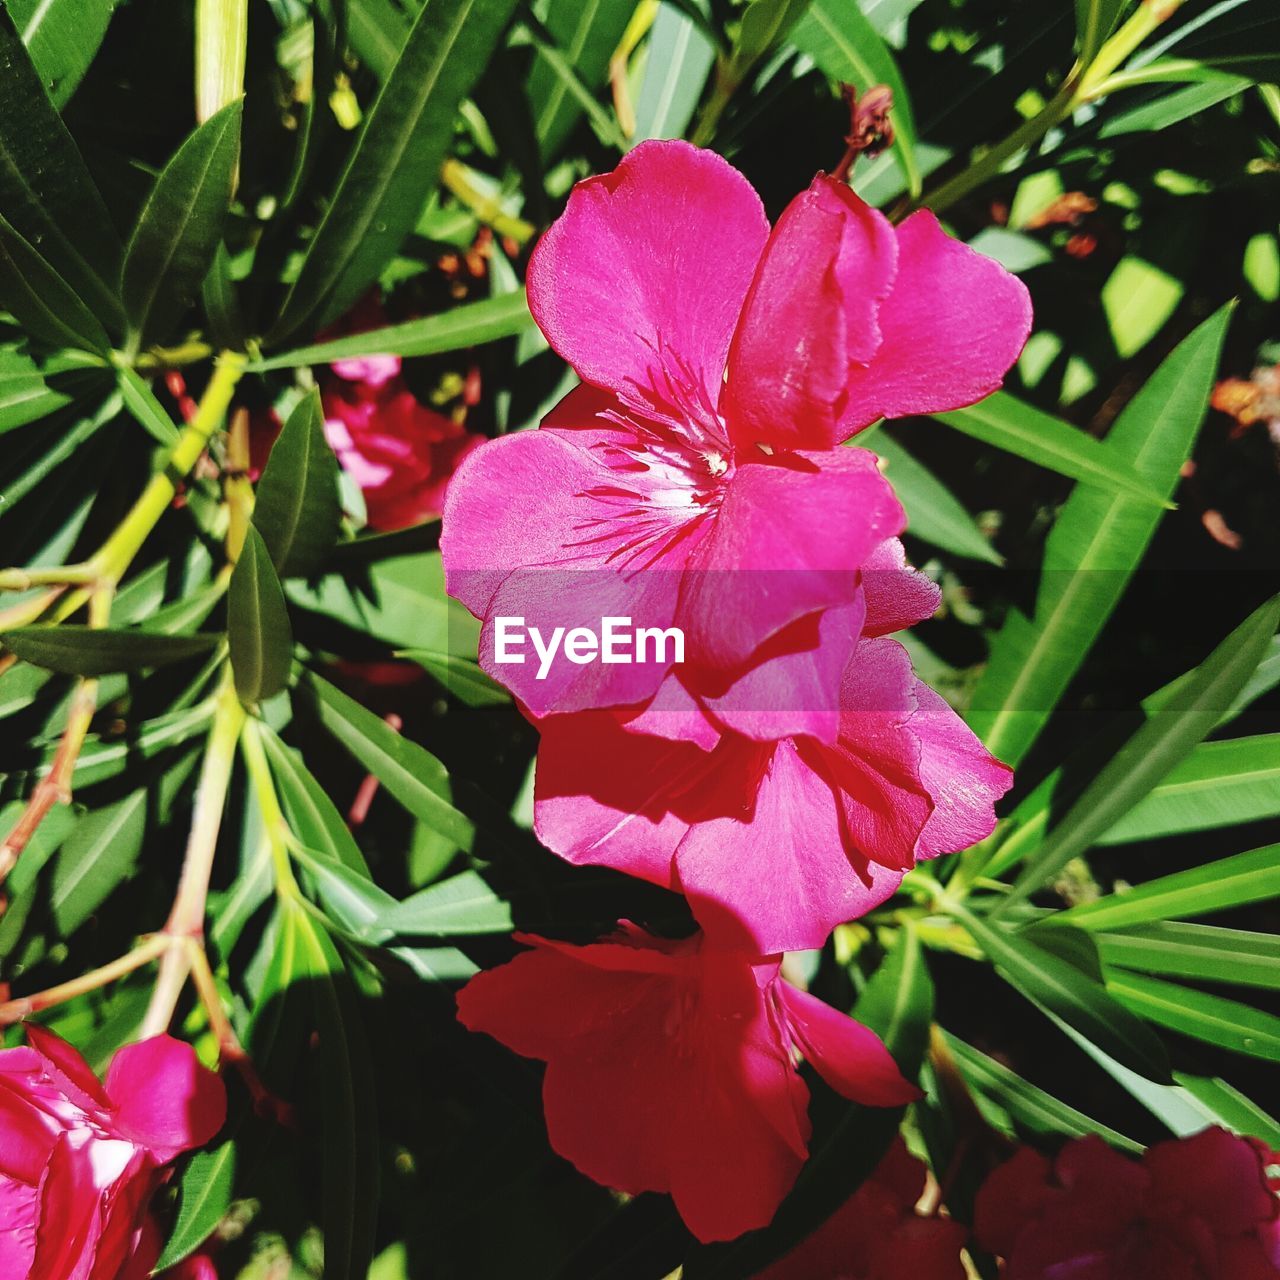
(870, 129)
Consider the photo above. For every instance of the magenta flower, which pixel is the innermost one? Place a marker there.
(671, 1067)
(691, 482)
(79, 1159)
(1196, 1208)
(877, 1233)
(775, 843)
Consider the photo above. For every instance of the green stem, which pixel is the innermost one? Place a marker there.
(222, 31)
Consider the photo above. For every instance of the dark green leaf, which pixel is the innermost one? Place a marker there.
(396, 159)
(140, 400)
(469, 325)
(205, 1190)
(1200, 951)
(298, 511)
(100, 760)
(46, 192)
(178, 232)
(258, 628)
(463, 904)
(62, 37)
(76, 650)
(1095, 21)
(680, 59)
(1096, 544)
(414, 776)
(1058, 987)
(466, 680)
(25, 392)
(1153, 750)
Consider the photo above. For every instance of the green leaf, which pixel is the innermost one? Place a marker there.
(1220, 784)
(25, 393)
(178, 232)
(348, 1107)
(1198, 891)
(1019, 428)
(847, 49)
(396, 158)
(41, 300)
(140, 400)
(1137, 299)
(463, 904)
(377, 32)
(934, 514)
(1229, 1107)
(680, 59)
(1096, 544)
(1172, 108)
(584, 33)
(1060, 988)
(466, 680)
(205, 1190)
(258, 628)
(764, 25)
(1153, 751)
(410, 773)
(75, 650)
(1204, 952)
(1029, 1105)
(469, 325)
(62, 37)
(313, 817)
(100, 761)
(350, 898)
(1095, 21)
(298, 510)
(1226, 1023)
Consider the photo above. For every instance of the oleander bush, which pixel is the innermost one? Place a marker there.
(908, 910)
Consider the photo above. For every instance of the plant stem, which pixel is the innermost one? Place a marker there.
(148, 949)
(222, 28)
(63, 575)
(186, 917)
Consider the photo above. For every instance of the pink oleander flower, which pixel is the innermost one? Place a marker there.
(1195, 1208)
(671, 1067)
(775, 843)
(877, 1234)
(692, 480)
(80, 1160)
(401, 454)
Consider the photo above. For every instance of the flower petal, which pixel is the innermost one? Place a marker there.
(810, 314)
(952, 327)
(898, 596)
(639, 283)
(1218, 1176)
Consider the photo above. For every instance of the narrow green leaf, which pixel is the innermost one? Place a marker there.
(350, 898)
(680, 59)
(1096, 544)
(1204, 952)
(46, 192)
(469, 325)
(75, 650)
(178, 232)
(205, 1190)
(847, 48)
(1019, 428)
(1047, 980)
(1029, 1105)
(140, 400)
(583, 35)
(95, 858)
(463, 904)
(1226, 1023)
(298, 510)
(258, 628)
(62, 37)
(465, 679)
(1153, 750)
(1137, 299)
(934, 514)
(41, 300)
(765, 24)
(1198, 891)
(1229, 1107)
(410, 773)
(1095, 21)
(25, 393)
(1172, 108)
(100, 761)
(400, 148)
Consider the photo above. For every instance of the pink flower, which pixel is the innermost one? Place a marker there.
(79, 1159)
(670, 1067)
(401, 454)
(1193, 1209)
(877, 1234)
(775, 843)
(691, 481)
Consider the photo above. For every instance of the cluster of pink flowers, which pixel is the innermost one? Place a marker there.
(786, 770)
(80, 1159)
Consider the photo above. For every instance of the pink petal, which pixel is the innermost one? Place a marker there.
(164, 1099)
(639, 283)
(851, 1058)
(774, 874)
(1012, 1196)
(789, 540)
(811, 313)
(67, 1067)
(952, 327)
(18, 1210)
(1216, 1175)
(673, 713)
(897, 595)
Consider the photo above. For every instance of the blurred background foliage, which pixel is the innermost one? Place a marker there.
(1106, 542)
